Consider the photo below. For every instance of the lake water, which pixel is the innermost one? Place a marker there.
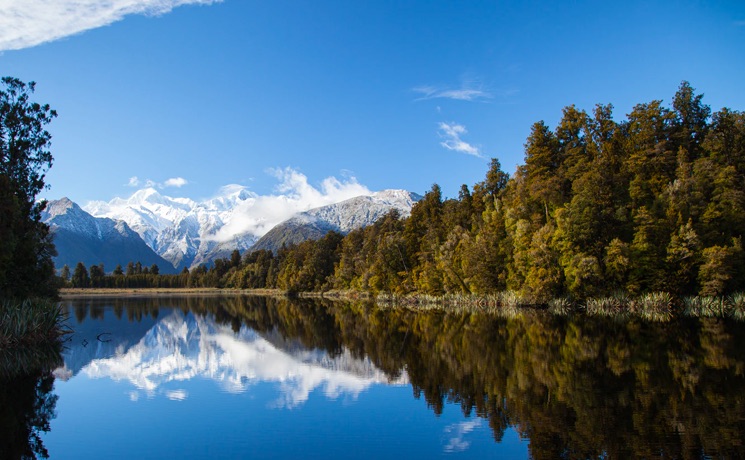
(254, 377)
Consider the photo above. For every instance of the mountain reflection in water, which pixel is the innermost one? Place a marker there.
(575, 387)
(181, 346)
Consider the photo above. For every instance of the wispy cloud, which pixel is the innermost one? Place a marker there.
(27, 23)
(451, 134)
(466, 92)
(739, 23)
(176, 182)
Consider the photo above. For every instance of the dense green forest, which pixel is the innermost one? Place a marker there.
(655, 202)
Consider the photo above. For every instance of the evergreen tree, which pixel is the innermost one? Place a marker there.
(96, 273)
(65, 273)
(26, 267)
(80, 277)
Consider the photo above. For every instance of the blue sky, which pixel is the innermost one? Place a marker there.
(387, 94)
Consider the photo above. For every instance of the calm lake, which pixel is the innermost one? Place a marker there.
(256, 377)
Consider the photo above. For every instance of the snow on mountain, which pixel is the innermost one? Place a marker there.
(363, 210)
(179, 229)
(342, 217)
(181, 347)
(188, 233)
(80, 237)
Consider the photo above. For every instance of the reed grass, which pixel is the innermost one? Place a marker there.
(732, 306)
(737, 305)
(654, 306)
(30, 321)
(561, 306)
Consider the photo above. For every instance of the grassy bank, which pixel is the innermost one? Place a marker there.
(29, 322)
(657, 306)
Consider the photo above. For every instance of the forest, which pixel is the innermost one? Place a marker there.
(652, 203)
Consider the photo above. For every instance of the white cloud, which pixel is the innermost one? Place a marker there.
(294, 194)
(451, 133)
(27, 23)
(175, 182)
(465, 93)
(457, 443)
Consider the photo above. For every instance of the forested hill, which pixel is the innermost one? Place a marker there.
(655, 202)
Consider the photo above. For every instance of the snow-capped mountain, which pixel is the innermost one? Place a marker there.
(188, 233)
(80, 237)
(342, 217)
(181, 347)
(181, 230)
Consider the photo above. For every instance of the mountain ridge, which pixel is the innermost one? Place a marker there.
(342, 217)
(80, 237)
(188, 233)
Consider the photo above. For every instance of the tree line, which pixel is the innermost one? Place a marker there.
(655, 202)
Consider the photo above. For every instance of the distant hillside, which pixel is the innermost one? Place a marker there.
(341, 217)
(80, 237)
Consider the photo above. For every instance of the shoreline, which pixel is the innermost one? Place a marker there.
(657, 306)
(67, 293)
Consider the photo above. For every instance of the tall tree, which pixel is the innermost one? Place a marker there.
(26, 266)
(80, 277)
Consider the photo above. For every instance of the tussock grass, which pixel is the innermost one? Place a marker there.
(506, 304)
(715, 307)
(29, 322)
(654, 306)
(607, 306)
(737, 305)
(561, 306)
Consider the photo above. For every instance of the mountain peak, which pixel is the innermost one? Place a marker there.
(146, 195)
(59, 207)
(80, 237)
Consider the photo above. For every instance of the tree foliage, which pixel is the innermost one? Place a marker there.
(26, 267)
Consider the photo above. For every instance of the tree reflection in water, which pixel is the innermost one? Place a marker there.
(26, 400)
(576, 387)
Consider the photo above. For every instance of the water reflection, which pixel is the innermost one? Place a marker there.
(575, 387)
(27, 404)
(184, 345)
